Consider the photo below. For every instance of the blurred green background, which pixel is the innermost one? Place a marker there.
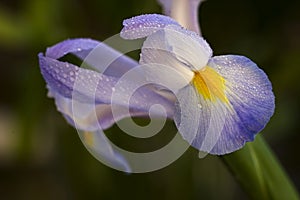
(42, 157)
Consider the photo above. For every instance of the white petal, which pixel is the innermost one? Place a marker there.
(167, 77)
(186, 46)
(200, 122)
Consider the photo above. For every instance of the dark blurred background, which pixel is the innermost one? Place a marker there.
(42, 157)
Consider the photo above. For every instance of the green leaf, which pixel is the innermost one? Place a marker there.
(259, 172)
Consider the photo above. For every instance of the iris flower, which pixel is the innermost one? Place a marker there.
(218, 103)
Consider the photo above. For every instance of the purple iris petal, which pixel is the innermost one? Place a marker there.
(250, 93)
(112, 62)
(89, 117)
(86, 86)
(144, 25)
(61, 77)
(71, 46)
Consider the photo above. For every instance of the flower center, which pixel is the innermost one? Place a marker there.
(210, 84)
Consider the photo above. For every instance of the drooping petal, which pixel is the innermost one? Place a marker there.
(250, 94)
(91, 117)
(99, 146)
(89, 120)
(83, 116)
(98, 55)
(230, 119)
(144, 25)
(92, 93)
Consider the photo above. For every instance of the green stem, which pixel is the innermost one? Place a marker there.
(259, 172)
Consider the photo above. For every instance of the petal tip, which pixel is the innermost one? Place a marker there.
(144, 25)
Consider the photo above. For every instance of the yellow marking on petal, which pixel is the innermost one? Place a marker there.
(210, 84)
(88, 138)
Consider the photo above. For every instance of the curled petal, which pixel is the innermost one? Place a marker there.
(188, 47)
(144, 25)
(162, 64)
(175, 46)
(71, 46)
(99, 56)
(227, 123)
